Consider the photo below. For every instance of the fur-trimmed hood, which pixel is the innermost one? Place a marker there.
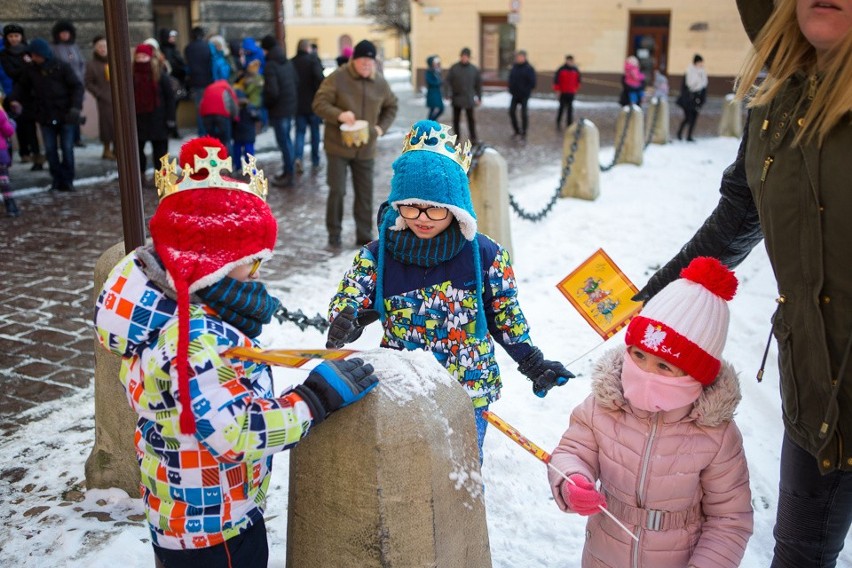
(715, 405)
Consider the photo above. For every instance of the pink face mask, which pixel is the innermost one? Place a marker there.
(653, 392)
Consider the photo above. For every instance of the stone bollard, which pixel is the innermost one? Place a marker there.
(489, 191)
(112, 462)
(731, 123)
(394, 479)
(584, 182)
(634, 142)
(658, 121)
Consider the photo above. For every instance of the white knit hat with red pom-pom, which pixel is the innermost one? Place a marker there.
(686, 323)
(201, 234)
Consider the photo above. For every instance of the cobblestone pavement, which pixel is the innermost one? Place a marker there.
(49, 252)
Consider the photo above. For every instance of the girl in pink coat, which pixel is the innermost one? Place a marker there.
(658, 432)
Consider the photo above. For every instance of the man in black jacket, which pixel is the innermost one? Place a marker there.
(199, 69)
(463, 86)
(57, 95)
(279, 97)
(521, 85)
(309, 70)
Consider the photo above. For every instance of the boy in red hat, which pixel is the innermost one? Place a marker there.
(208, 424)
(658, 432)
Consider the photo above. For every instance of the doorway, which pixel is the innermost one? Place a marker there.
(173, 15)
(648, 40)
(497, 48)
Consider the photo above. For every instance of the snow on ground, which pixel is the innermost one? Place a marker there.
(641, 218)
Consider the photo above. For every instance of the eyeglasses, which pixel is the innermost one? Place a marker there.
(412, 212)
(255, 266)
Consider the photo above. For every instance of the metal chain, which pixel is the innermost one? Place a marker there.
(620, 146)
(301, 320)
(654, 118)
(479, 149)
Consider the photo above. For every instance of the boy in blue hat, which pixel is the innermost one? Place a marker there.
(435, 282)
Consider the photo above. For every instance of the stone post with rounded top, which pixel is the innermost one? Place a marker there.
(489, 192)
(112, 461)
(394, 479)
(634, 139)
(584, 180)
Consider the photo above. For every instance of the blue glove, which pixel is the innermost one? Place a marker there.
(335, 384)
(544, 374)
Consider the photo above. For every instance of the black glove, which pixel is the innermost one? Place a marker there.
(335, 384)
(347, 326)
(73, 116)
(544, 374)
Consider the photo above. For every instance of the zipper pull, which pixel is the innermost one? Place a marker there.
(766, 163)
(779, 300)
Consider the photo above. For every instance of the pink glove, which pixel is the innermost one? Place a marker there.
(581, 496)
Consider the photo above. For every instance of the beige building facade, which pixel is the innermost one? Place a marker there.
(663, 34)
(334, 24)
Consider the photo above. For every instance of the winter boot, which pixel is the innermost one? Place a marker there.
(11, 207)
(38, 163)
(108, 154)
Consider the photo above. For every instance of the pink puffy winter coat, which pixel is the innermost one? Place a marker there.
(677, 479)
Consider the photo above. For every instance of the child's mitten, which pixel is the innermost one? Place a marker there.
(348, 325)
(335, 384)
(581, 495)
(544, 374)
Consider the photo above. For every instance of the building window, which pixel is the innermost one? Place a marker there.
(317, 4)
(341, 7)
(297, 7)
(362, 4)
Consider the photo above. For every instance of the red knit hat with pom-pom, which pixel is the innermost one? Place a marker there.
(686, 323)
(206, 225)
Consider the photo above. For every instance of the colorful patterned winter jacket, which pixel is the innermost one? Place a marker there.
(200, 489)
(677, 479)
(434, 309)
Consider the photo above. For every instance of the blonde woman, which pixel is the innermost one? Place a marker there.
(790, 186)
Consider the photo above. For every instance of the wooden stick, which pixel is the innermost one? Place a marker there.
(543, 456)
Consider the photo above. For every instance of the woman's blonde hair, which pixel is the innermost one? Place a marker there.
(783, 50)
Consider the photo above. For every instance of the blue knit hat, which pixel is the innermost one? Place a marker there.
(432, 170)
(41, 48)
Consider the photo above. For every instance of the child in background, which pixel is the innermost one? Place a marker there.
(658, 432)
(245, 131)
(208, 424)
(7, 129)
(250, 79)
(437, 284)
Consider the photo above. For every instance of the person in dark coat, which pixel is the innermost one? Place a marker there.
(309, 70)
(56, 94)
(280, 99)
(566, 82)
(15, 60)
(199, 69)
(463, 85)
(434, 100)
(154, 98)
(97, 82)
(693, 94)
(65, 49)
(521, 84)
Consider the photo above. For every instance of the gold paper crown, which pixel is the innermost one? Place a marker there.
(441, 142)
(167, 182)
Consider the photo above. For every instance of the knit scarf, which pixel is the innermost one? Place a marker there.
(408, 248)
(245, 305)
(145, 91)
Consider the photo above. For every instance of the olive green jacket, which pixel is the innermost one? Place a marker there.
(371, 99)
(803, 195)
